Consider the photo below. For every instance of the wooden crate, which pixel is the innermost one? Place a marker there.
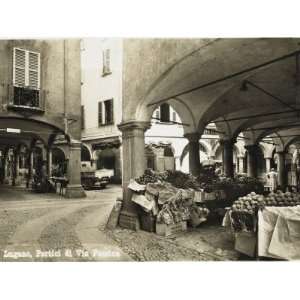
(167, 230)
(147, 222)
(245, 242)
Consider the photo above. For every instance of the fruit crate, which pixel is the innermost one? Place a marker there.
(147, 222)
(167, 230)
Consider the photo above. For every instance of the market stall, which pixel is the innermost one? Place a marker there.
(171, 201)
(266, 226)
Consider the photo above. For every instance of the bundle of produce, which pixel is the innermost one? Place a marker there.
(178, 209)
(282, 199)
(198, 215)
(149, 176)
(249, 184)
(243, 214)
(248, 203)
(243, 221)
(181, 180)
(165, 216)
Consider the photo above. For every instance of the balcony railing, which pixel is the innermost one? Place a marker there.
(21, 98)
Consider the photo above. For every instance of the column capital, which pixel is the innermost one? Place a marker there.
(74, 144)
(131, 125)
(193, 136)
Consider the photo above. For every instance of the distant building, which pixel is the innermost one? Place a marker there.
(101, 90)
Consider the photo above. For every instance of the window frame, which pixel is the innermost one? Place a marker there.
(106, 62)
(103, 113)
(27, 69)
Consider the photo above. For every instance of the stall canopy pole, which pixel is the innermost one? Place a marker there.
(226, 77)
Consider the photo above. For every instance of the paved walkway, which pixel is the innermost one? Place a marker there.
(48, 227)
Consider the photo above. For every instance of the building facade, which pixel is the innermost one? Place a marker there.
(40, 109)
(101, 89)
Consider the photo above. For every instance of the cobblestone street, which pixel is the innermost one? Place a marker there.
(47, 227)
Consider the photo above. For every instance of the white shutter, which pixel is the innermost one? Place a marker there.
(19, 67)
(26, 68)
(34, 70)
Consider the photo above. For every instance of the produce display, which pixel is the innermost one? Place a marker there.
(148, 177)
(244, 210)
(177, 178)
(179, 209)
(252, 201)
(174, 193)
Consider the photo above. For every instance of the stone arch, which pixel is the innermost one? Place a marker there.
(291, 141)
(202, 147)
(217, 146)
(85, 153)
(144, 113)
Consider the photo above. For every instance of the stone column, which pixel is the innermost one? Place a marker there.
(118, 166)
(268, 164)
(134, 165)
(251, 160)
(74, 188)
(30, 168)
(194, 152)
(49, 162)
(281, 169)
(16, 166)
(227, 156)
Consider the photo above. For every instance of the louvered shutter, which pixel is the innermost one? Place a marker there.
(100, 119)
(106, 61)
(165, 112)
(34, 70)
(110, 106)
(19, 68)
(26, 69)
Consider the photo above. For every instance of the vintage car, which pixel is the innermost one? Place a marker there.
(93, 178)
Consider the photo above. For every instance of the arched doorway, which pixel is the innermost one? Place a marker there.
(150, 156)
(106, 159)
(85, 153)
(59, 162)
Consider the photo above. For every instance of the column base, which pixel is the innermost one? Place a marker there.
(75, 191)
(129, 220)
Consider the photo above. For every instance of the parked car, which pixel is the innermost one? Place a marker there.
(93, 178)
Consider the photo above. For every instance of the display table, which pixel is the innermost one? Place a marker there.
(278, 232)
(277, 236)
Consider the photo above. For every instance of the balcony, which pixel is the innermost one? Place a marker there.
(26, 99)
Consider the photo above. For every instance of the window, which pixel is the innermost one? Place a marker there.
(106, 62)
(82, 117)
(26, 78)
(26, 71)
(109, 113)
(165, 112)
(174, 117)
(100, 119)
(105, 112)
